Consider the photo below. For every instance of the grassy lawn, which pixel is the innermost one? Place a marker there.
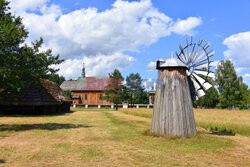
(232, 121)
(93, 137)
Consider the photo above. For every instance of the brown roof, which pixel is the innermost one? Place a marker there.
(54, 90)
(44, 93)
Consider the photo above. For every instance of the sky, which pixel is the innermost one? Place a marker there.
(133, 35)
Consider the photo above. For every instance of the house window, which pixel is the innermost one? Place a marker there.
(86, 96)
(100, 97)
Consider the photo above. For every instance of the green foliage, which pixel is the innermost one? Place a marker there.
(56, 78)
(21, 64)
(210, 100)
(233, 92)
(68, 92)
(134, 90)
(113, 91)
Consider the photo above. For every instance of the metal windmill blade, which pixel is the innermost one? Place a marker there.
(197, 58)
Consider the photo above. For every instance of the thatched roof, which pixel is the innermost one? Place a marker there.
(44, 93)
(85, 84)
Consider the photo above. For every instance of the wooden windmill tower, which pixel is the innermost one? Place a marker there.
(179, 82)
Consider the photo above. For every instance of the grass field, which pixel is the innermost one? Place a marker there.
(109, 138)
(232, 121)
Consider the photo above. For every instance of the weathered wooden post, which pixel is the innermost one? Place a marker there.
(173, 111)
(181, 81)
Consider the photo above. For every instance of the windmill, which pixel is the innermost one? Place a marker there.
(180, 81)
(198, 60)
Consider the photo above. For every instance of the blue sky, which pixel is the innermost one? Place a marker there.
(110, 34)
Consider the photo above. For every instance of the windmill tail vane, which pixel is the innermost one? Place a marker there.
(197, 57)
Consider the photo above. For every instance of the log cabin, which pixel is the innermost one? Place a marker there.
(87, 90)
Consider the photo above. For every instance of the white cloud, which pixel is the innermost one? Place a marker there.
(246, 79)
(70, 68)
(184, 27)
(238, 70)
(23, 5)
(246, 76)
(238, 49)
(151, 66)
(104, 64)
(127, 26)
(99, 65)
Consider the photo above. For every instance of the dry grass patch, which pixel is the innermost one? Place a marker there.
(231, 121)
(109, 138)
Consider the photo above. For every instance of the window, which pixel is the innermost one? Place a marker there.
(100, 97)
(86, 97)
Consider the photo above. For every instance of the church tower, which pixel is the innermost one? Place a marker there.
(83, 70)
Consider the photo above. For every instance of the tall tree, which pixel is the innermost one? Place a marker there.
(114, 89)
(231, 87)
(56, 78)
(242, 95)
(135, 90)
(21, 64)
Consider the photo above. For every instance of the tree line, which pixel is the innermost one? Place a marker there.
(130, 91)
(229, 90)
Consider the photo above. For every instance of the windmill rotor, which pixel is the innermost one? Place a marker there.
(197, 58)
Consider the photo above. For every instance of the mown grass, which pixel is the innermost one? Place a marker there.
(93, 137)
(231, 121)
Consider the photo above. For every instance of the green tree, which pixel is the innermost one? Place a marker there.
(134, 90)
(69, 93)
(56, 78)
(210, 100)
(242, 95)
(114, 89)
(231, 88)
(20, 64)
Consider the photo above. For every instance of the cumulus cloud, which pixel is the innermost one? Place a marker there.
(246, 76)
(238, 49)
(184, 27)
(24, 5)
(246, 79)
(99, 65)
(87, 33)
(151, 67)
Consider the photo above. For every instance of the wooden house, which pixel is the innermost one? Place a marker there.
(45, 97)
(87, 90)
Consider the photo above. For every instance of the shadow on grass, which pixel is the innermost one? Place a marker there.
(33, 114)
(2, 161)
(223, 133)
(45, 126)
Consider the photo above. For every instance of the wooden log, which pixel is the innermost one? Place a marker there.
(173, 111)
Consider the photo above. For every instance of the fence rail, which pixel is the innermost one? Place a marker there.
(113, 105)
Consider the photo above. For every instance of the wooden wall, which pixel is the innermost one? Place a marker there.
(93, 97)
(173, 111)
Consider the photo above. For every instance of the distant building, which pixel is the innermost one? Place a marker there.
(45, 97)
(87, 90)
